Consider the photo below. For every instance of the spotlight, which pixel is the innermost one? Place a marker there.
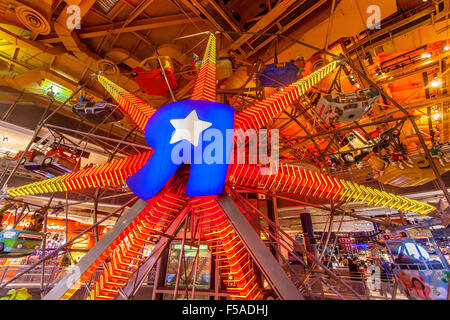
(435, 83)
(436, 116)
(426, 55)
(446, 48)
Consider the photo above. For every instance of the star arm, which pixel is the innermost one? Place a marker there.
(296, 181)
(138, 110)
(127, 252)
(234, 263)
(258, 115)
(110, 174)
(205, 85)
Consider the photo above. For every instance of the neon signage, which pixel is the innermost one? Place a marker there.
(177, 133)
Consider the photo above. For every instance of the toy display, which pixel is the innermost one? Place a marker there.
(19, 243)
(419, 266)
(377, 164)
(32, 158)
(151, 78)
(97, 112)
(154, 177)
(400, 158)
(437, 153)
(354, 147)
(346, 107)
(49, 158)
(278, 75)
(224, 67)
(419, 173)
(59, 159)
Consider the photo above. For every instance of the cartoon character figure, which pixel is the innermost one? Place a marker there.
(332, 162)
(439, 275)
(437, 153)
(399, 157)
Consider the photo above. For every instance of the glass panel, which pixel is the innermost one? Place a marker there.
(187, 268)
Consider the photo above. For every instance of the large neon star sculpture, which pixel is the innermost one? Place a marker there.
(125, 256)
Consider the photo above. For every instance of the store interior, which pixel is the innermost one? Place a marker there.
(323, 129)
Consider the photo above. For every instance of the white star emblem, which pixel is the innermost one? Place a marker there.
(188, 128)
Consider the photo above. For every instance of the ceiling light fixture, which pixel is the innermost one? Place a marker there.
(435, 83)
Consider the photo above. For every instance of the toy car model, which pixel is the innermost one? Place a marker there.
(18, 243)
(31, 158)
(97, 112)
(355, 147)
(151, 79)
(61, 158)
(346, 107)
(278, 75)
(57, 161)
(420, 174)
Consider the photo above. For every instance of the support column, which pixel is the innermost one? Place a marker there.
(272, 214)
(310, 246)
(274, 274)
(308, 233)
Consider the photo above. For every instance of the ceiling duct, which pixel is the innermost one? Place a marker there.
(33, 20)
(123, 56)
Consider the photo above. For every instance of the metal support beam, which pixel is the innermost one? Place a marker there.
(416, 129)
(71, 278)
(266, 262)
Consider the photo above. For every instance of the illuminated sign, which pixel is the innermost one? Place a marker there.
(191, 132)
(414, 250)
(419, 233)
(55, 89)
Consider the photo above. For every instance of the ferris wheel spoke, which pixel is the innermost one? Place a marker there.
(296, 181)
(129, 255)
(262, 112)
(205, 85)
(138, 110)
(110, 174)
